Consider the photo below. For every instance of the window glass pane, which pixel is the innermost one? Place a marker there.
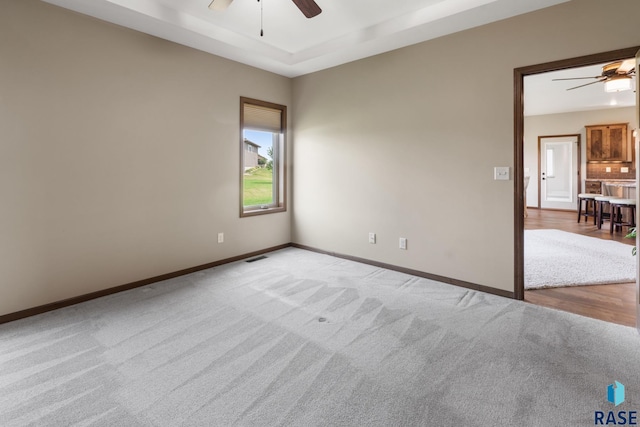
(258, 182)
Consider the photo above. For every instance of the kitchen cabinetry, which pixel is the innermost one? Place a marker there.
(608, 143)
(593, 187)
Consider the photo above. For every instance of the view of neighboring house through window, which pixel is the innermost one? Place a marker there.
(263, 127)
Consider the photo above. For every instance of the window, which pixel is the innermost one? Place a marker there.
(550, 164)
(262, 157)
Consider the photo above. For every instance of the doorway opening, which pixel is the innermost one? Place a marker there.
(520, 171)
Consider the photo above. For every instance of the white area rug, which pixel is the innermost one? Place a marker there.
(554, 258)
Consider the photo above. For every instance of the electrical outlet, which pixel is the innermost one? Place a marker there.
(608, 169)
(403, 243)
(624, 170)
(220, 237)
(372, 238)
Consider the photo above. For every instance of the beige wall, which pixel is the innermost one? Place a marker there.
(119, 156)
(119, 151)
(563, 124)
(404, 143)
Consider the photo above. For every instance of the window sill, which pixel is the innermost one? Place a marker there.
(260, 211)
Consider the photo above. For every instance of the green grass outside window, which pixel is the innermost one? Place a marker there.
(258, 187)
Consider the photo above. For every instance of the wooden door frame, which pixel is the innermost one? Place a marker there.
(518, 142)
(637, 160)
(579, 157)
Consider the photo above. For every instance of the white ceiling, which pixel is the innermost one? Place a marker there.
(345, 31)
(542, 95)
(293, 45)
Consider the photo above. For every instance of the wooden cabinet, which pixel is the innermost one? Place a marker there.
(593, 187)
(608, 143)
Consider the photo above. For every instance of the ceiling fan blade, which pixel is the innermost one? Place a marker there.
(576, 78)
(308, 7)
(219, 4)
(599, 81)
(627, 66)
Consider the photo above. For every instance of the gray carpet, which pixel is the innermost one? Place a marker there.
(555, 258)
(306, 339)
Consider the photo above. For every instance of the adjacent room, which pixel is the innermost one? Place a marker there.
(293, 213)
(566, 113)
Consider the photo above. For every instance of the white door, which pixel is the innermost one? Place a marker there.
(558, 172)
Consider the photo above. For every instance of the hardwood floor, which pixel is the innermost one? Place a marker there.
(611, 303)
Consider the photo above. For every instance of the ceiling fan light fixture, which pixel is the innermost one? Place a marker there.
(617, 84)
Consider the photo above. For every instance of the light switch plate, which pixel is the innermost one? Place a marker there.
(501, 173)
(403, 243)
(624, 170)
(608, 169)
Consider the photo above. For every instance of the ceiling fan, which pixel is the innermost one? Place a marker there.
(616, 76)
(308, 7)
